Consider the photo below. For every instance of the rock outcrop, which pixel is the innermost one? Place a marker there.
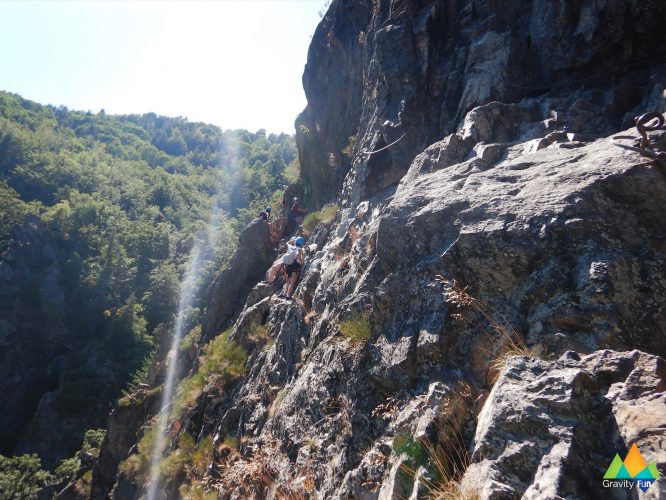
(30, 369)
(124, 425)
(389, 71)
(491, 205)
(562, 241)
(548, 427)
(247, 266)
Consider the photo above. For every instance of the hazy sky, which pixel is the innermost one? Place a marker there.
(237, 64)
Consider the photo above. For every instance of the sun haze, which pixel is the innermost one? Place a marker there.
(236, 64)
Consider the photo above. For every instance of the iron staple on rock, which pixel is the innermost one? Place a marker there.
(643, 127)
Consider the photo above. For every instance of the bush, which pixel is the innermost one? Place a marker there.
(198, 456)
(357, 328)
(190, 340)
(22, 477)
(444, 466)
(70, 468)
(223, 361)
(258, 333)
(313, 219)
(202, 455)
(137, 466)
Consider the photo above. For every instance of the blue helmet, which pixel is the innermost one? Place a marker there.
(268, 209)
(300, 241)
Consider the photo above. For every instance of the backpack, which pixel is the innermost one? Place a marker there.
(290, 256)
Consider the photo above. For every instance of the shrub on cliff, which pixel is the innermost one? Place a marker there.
(313, 219)
(223, 361)
(22, 476)
(356, 329)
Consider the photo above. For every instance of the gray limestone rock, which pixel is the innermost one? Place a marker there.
(551, 429)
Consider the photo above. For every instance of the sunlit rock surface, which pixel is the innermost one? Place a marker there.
(491, 189)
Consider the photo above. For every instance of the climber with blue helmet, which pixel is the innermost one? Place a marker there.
(266, 214)
(290, 265)
(293, 269)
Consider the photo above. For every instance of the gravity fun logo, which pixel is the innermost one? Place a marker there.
(634, 471)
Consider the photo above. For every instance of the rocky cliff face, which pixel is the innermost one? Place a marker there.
(45, 370)
(492, 205)
(563, 242)
(411, 70)
(30, 369)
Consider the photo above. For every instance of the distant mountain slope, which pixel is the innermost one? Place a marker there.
(97, 216)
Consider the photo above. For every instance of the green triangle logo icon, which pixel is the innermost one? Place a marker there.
(614, 468)
(654, 470)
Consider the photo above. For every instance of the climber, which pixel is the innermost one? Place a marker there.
(293, 270)
(296, 215)
(266, 215)
(290, 265)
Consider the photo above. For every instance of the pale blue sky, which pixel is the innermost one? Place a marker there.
(237, 64)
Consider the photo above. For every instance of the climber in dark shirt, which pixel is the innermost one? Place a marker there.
(296, 215)
(266, 215)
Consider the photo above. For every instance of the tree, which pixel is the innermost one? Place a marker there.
(22, 477)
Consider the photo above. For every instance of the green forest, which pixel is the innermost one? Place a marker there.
(98, 214)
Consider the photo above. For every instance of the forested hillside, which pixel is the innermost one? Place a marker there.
(98, 214)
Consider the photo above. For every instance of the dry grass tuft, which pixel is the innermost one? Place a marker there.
(446, 459)
(445, 464)
(259, 473)
(277, 402)
(258, 333)
(505, 340)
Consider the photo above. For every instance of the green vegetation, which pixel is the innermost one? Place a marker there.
(357, 329)
(117, 203)
(70, 468)
(258, 333)
(315, 218)
(190, 340)
(185, 463)
(141, 375)
(444, 466)
(21, 477)
(230, 441)
(223, 361)
(202, 456)
(172, 465)
(195, 491)
(137, 465)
